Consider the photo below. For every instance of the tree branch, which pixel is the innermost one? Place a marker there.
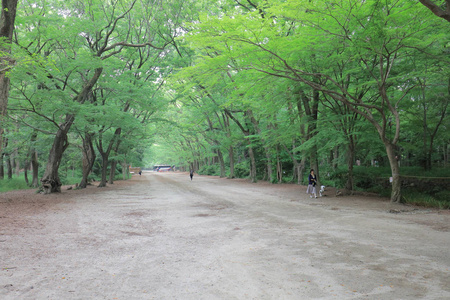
(435, 9)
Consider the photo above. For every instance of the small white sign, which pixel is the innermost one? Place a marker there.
(391, 179)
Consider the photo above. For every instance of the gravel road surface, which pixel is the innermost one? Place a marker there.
(162, 236)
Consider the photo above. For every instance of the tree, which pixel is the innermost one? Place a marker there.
(7, 19)
(375, 40)
(106, 30)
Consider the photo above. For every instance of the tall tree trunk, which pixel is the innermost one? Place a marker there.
(112, 171)
(301, 169)
(446, 150)
(104, 169)
(34, 161)
(311, 110)
(252, 162)
(226, 122)
(9, 166)
(2, 168)
(17, 162)
(350, 159)
(231, 159)
(25, 172)
(334, 162)
(426, 163)
(268, 164)
(50, 181)
(279, 167)
(105, 154)
(222, 164)
(395, 170)
(88, 158)
(125, 170)
(35, 168)
(7, 19)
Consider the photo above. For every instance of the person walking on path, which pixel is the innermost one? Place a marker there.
(191, 174)
(312, 180)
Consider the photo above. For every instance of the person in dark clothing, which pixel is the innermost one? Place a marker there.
(312, 181)
(191, 174)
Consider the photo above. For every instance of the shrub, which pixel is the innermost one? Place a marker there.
(213, 170)
(337, 178)
(241, 170)
(443, 195)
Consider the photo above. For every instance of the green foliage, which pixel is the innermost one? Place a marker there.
(212, 170)
(242, 170)
(70, 180)
(16, 183)
(425, 200)
(443, 195)
(336, 178)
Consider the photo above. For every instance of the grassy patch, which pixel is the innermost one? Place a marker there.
(13, 184)
(419, 199)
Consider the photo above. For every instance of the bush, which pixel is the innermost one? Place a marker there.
(241, 170)
(443, 195)
(337, 178)
(212, 170)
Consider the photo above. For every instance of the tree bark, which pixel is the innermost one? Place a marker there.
(35, 168)
(311, 110)
(124, 170)
(112, 171)
(17, 162)
(105, 154)
(9, 166)
(436, 9)
(2, 168)
(50, 181)
(25, 172)
(279, 167)
(268, 164)
(222, 164)
(34, 162)
(230, 148)
(350, 160)
(88, 158)
(231, 158)
(7, 19)
(104, 169)
(252, 162)
(395, 170)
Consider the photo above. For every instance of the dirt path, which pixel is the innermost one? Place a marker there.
(162, 236)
